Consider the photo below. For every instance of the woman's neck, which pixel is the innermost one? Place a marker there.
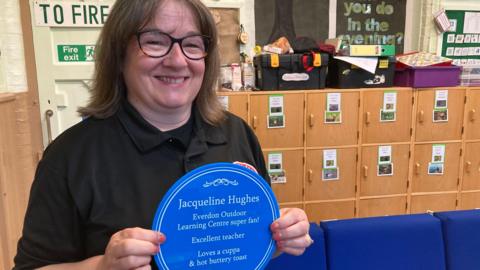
(165, 119)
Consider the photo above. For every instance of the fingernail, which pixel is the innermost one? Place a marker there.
(161, 237)
(276, 225)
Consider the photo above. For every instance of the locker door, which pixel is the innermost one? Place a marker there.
(235, 103)
(383, 206)
(376, 131)
(435, 202)
(373, 183)
(292, 164)
(344, 187)
(317, 212)
(469, 200)
(424, 182)
(471, 167)
(426, 129)
(472, 109)
(320, 133)
(289, 136)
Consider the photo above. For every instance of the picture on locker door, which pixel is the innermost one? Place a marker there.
(276, 121)
(330, 174)
(384, 159)
(441, 103)
(385, 169)
(333, 107)
(387, 116)
(435, 168)
(278, 177)
(276, 110)
(440, 115)
(333, 117)
(275, 166)
(437, 158)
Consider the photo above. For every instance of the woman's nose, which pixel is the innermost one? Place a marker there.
(175, 57)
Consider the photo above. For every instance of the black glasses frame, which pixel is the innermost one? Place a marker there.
(206, 41)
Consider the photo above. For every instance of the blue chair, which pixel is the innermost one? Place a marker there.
(313, 258)
(461, 232)
(408, 242)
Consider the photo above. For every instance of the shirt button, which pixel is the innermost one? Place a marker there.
(170, 140)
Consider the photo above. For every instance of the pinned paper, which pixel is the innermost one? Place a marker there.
(385, 169)
(384, 154)
(440, 112)
(390, 101)
(333, 114)
(366, 63)
(330, 158)
(438, 153)
(275, 168)
(276, 117)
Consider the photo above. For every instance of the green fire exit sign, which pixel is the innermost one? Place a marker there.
(76, 53)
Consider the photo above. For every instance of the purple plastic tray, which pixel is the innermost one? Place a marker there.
(428, 76)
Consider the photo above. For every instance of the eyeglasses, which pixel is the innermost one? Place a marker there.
(157, 44)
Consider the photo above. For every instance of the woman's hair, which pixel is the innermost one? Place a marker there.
(126, 18)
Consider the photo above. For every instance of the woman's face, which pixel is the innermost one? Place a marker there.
(168, 84)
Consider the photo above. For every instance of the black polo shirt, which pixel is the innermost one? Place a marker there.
(104, 175)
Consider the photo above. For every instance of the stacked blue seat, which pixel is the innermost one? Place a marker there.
(408, 242)
(461, 231)
(313, 258)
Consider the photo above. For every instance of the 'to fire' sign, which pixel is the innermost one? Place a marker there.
(70, 14)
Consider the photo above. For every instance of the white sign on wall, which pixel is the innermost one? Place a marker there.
(71, 14)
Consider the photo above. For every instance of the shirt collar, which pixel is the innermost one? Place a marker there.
(146, 137)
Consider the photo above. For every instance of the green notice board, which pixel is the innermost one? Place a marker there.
(75, 53)
(462, 41)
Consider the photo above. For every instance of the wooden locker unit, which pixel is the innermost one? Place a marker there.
(433, 202)
(292, 163)
(471, 167)
(472, 111)
(469, 200)
(375, 131)
(319, 211)
(423, 182)
(291, 136)
(318, 133)
(383, 206)
(343, 188)
(237, 103)
(426, 129)
(373, 185)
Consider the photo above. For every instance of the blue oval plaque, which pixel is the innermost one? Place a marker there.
(217, 216)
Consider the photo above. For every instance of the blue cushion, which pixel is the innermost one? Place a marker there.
(313, 258)
(412, 242)
(461, 231)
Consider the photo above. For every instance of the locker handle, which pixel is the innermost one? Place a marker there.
(367, 118)
(48, 116)
(468, 165)
(310, 176)
(472, 115)
(254, 122)
(417, 168)
(312, 118)
(365, 171)
(421, 116)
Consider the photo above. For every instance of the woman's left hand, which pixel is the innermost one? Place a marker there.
(290, 231)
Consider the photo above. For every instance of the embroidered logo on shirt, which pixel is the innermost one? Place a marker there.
(246, 165)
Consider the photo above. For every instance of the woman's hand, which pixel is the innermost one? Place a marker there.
(291, 231)
(131, 248)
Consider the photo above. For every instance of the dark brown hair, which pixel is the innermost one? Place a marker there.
(126, 18)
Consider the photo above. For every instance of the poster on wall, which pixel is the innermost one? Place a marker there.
(291, 18)
(372, 22)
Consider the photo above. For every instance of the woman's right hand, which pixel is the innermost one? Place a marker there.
(131, 248)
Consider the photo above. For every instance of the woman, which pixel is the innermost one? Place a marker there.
(153, 117)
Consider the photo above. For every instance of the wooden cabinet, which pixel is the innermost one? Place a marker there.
(426, 128)
(321, 133)
(292, 165)
(377, 131)
(472, 110)
(433, 202)
(236, 103)
(471, 167)
(317, 188)
(469, 200)
(383, 206)
(425, 179)
(373, 183)
(319, 211)
(291, 135)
